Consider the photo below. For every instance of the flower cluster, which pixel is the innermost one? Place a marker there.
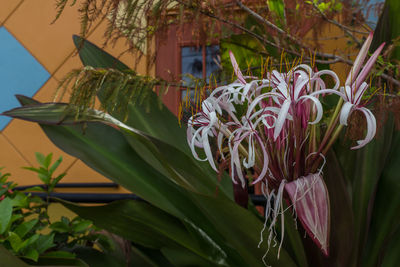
(267, 129)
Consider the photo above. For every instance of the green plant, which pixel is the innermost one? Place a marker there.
(190, 217)
(25, 226)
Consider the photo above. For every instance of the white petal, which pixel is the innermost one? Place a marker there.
(265, 161)
(328, 91)
(360, 92)
(281, 118)
(332, 74)
(193, 144)
(345, 112)
(251, 153)
(207, 149)
(317, 105)
(299, 86)
(371, 128)
(348, 91)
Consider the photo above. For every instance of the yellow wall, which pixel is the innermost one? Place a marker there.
(29, 21)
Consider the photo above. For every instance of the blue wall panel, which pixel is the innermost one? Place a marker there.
(20, 73)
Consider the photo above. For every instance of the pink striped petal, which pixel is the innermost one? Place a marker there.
(236, 68)
(368, 66)
(359, 60)
(310, 200)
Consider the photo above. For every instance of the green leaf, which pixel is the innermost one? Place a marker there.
(31, 240)
(5, 214)
(96, 258)
(60, 227)
(41, 159)
(45, 242)
(140, 223)
(147, 117)
(15, 241)
(386, 211)
(81, 226)
(141, 256)
(8, 259)
(368, 170)
(391, 255)
(55, 165)
(64, 262)
(31, 254)
(293, 241)
(181, 257)
(107, 151)
(89, 55)
(25, 227)
(174, 163)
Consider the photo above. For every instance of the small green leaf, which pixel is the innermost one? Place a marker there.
(81, 226)
(45, 242)
(5, 214)
(55, 181)
(25, 227)
(20, 200)
(55, 165)
(40, 158)
(47, 161)
(59, 227)
(29, 241)
(32, 254)
(15, 241)
(34, 188)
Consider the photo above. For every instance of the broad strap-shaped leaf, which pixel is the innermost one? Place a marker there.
(90, 57)
(147, 116)
(386, 210)
(220, 220)
(167, 159)
(368, 168)
(310, 199)
(146, 225)
(8, 259)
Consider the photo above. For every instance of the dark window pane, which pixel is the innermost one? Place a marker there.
(192, 63)
(212, 58)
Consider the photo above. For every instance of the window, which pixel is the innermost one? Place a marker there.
(197, 62)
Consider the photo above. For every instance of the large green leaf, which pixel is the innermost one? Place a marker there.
(167, 159)
(89, 56)
(147, 117)
(385, 219)
(370, 162)
(143, 224)
(7, 259)
(106, 150)
(386, 29)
